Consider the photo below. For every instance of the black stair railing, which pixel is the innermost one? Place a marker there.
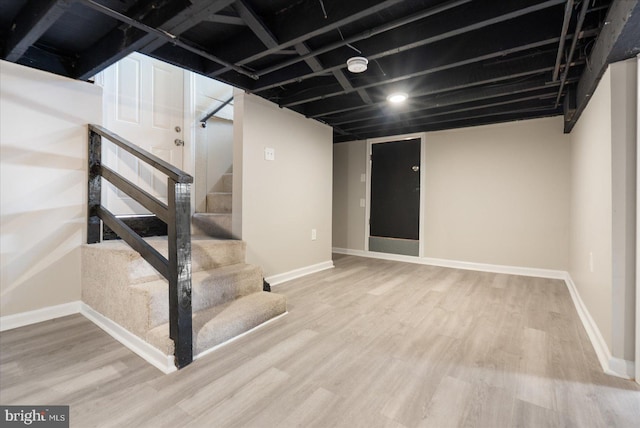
(176, 214)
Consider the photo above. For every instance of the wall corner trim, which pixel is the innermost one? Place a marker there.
(297, 273)
(9, 322)
(611, 365)
(151, 354)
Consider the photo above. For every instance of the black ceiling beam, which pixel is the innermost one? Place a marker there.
(162, 34)
(478, 98)
(427, 62)
(492, 115)
(568, 11)
(41, 59)
(295, 27)
(225, 19)
(255, 24)
(369, 33)
(33, 20)
(455, 22)
(176, 15)
(473, 74)
(342, 80)
(572, 49)
(435, 113)
(619, 39)
(455, 80)
(425, 106)
(455, 123)
(188, 18)
(259, 28)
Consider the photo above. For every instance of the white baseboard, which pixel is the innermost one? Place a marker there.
(22, 319)
(297, 273)
(151, 354)
(611, 365)
(455, 264)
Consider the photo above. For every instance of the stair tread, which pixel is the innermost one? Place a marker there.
(216, 325)
(212, 214)
(200, 276)
(206, 253)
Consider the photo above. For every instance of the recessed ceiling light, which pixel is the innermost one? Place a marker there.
(397, 97)
(357, 64)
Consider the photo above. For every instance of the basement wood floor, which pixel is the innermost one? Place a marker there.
(371, 343)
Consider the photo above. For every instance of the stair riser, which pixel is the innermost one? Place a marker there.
(204, 256)
(217, 325)
(216, 331)
(218, 226)
(205, 294)
(219, 203)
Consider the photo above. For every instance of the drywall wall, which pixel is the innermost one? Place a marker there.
(213, 143)
(279, 202)
(43, 142)
(349, 189)
(495, 194)
(498, 194)
(623, 198)
(590, 218)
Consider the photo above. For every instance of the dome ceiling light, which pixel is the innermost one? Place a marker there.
(357, 64)
(397, 97)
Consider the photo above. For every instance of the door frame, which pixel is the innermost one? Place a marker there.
(367, 208)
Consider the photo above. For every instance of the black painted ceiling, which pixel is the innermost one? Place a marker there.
(462, 62)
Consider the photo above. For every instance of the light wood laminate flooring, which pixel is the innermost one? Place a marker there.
(371, 343)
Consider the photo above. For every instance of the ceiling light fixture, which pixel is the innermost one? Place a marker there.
(357, 64)
(397, 97)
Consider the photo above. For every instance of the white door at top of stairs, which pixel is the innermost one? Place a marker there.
(144, 103)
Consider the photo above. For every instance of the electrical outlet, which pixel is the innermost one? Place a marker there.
(314, 234)
(269, 153)
(362, 202)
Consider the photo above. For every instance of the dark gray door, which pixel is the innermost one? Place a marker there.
(395, 197)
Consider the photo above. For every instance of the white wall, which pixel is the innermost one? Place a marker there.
(277, 203)
(495, 194)
(43, 142)
(349, 164)
(623, 197)
(498, 194)
(590, 233)
(213, 144)
(603, 208)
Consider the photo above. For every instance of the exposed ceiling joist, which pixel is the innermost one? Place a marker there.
(619, 39)
(298, 31)
(34, 19)
(457, 22)
(172, 19)
(462, 62)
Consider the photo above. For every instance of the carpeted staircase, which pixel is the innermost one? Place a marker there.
(217, 220)
(227, 296)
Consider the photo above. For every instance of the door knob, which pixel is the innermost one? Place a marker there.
(415, 168)
(178, 142)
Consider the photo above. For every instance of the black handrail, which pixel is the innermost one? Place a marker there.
(176, 214)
